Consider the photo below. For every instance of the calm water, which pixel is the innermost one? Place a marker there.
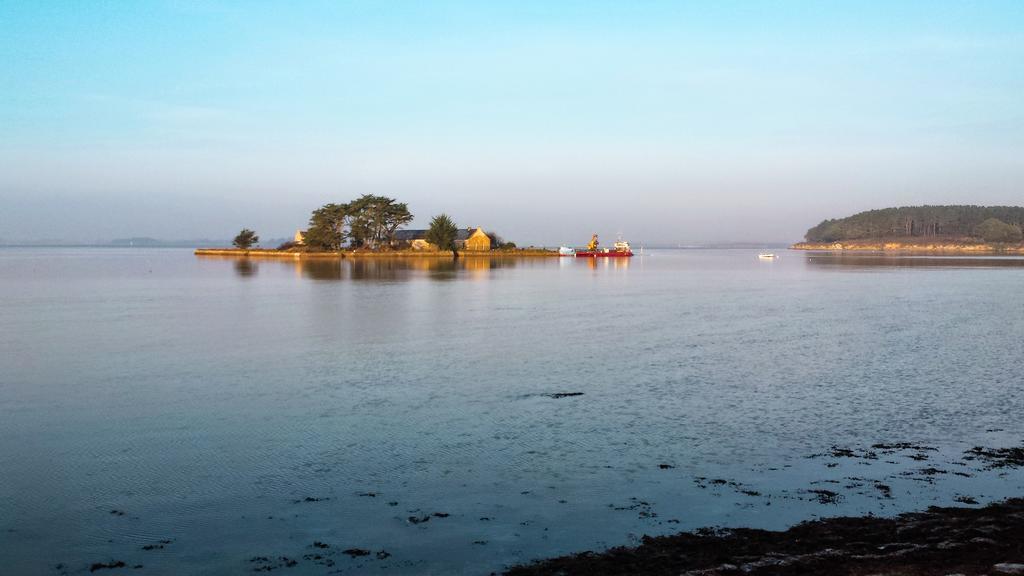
(228, 413)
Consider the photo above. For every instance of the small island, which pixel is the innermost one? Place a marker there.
(371, 226)
(947, 229)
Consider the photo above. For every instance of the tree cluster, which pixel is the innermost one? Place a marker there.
(924, 221)
(369, 221)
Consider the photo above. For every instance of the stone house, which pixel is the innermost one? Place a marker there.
(468, 239)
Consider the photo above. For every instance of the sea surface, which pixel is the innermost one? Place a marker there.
(189, 415)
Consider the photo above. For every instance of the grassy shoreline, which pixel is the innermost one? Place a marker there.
(271, 253)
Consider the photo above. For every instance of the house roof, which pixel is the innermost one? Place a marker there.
(410, 235)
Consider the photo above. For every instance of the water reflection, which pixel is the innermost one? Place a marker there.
(393, 269)
(397, 269)
(606, 263)
(317, 269)
(912, 261)
(246, 267)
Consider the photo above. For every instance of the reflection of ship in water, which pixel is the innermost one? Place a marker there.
(607, 263)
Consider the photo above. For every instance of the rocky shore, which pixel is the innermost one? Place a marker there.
(940, 541)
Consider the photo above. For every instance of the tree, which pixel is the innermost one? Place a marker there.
(359, 226)
(245, 239)
(442, 232)
(995, 230)
(327, 227)
(393, 216)
(373, 220)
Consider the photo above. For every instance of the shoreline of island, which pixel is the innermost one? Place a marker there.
(928, 229)
(986, 540)
(925, 247)
(358, 254)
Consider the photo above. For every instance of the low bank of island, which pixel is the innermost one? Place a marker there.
(946, 229)
(940, 541)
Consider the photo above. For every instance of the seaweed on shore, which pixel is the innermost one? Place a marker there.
(938, 541)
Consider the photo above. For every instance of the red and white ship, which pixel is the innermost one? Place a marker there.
(620, 249)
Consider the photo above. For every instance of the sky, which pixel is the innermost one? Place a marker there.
(666, 122)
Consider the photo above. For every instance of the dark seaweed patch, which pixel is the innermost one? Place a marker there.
(356, 552)
(106, 565)
(997, 457)
(825, 496)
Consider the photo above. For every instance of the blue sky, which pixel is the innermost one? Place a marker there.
(666, 121)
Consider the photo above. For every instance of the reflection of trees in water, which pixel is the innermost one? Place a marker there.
(246, 267)
(392, 269)
(440, 268)
(328, 269)
(911, 261)
(492, 263)
(378, 269)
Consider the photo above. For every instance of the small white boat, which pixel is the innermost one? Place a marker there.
(767, 256)
(566, 251)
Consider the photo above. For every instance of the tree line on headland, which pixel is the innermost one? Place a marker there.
(994, 224)
(368, 222)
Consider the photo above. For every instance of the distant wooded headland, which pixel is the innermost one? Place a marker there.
(964, 229)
